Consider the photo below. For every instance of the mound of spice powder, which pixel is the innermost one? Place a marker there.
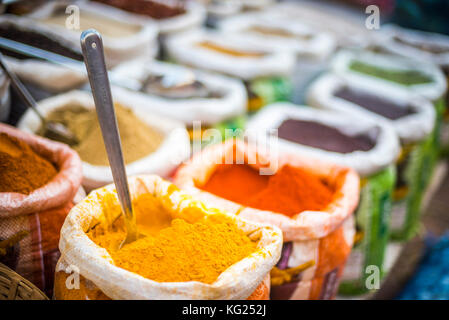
(21, 169)
(184, 251)
(138, 138)
(290, 191)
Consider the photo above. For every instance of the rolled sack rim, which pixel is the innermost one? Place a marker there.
(432, 90)
(384, 152)
(410, 128)
(95, 264)
(58, 191)
(305, 225)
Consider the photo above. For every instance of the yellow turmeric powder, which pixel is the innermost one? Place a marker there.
(183, 251)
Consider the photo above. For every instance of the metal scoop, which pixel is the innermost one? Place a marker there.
(53, 130)
(92, 47)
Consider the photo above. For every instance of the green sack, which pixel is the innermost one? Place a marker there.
(372, 231)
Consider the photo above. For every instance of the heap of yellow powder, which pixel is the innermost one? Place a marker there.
(184, 251)
(138, 139)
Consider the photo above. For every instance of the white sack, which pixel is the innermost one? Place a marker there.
(207, 110)
(184, 49)
(143, 44)
(95, 263)
(173, 150)
(307, 42)
(432, 91)
(411, 128)
(384, 152)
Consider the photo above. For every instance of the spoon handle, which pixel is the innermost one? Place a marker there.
(20, 89)
(92, 47)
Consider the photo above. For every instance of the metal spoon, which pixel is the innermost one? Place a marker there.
(53, 130)
(92, 46)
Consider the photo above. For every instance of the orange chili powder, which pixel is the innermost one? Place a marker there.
(290, 191)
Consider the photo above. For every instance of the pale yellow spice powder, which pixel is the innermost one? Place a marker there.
(138, 138)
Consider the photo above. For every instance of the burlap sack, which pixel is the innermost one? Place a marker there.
(323, 237)
(95, 264)
(40, 214)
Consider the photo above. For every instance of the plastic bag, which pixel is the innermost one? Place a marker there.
(239, 281)
(321, 237)
(173, 150)
(40, 214)
(376, 167)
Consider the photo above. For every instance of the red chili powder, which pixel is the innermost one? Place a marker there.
(290, 191)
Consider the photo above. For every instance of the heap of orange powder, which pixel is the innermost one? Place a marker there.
(21, 169)
(290, 191)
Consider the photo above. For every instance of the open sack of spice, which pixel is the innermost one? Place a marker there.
(346, 28)
(45, 74)
(170, 17)
(125, 36)
(419, 45)
(264, 72)
(266, 30)
(310, 201)
(150, 143)
(186, 249)
(411, 116)
(369, 147)
(269, 32)
(186, 94)
(401, 73)
(39, 181)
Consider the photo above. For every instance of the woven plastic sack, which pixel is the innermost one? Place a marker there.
(266, 75)
(296, 36)
(228, 102)
(45, 74)
(406, 42)
(173, 150)
(375, 166)
(322, 238)
(94, 263)
(416, 132)
(141, 45)
(434, 90)
(185, 49)
(347, 29)
(40, 214)
(311, 46)
(419, 45)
